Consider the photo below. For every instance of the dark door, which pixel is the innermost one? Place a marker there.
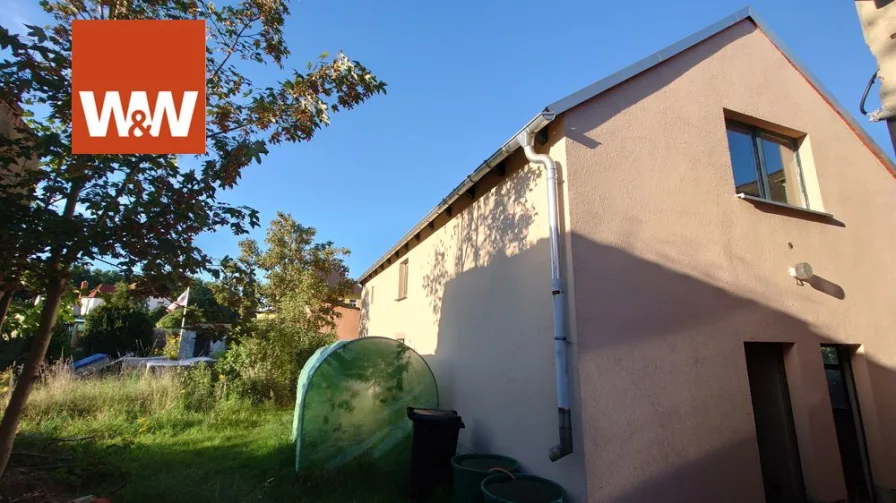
(782, 474)
(848, 422)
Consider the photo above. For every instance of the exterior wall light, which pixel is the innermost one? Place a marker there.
(801, 271)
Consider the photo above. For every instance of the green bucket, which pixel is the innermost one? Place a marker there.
(504, 488)
(469, 470)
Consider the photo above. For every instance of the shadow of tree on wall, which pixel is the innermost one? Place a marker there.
(496, 225)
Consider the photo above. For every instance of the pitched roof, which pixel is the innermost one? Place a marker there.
(102, 289)
(586, 93)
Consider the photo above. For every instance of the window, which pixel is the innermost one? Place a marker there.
(353, 302)
(766, 165)
(403, 280)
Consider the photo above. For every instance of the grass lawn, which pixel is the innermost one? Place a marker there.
(130, 438)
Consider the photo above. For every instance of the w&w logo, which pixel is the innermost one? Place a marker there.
(138, 87)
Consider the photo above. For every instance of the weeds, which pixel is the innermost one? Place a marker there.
(177, 436)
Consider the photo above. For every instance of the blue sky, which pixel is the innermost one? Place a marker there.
(465, 75)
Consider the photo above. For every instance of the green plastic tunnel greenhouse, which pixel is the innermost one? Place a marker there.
(351, 402)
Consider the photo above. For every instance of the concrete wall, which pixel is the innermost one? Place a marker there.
(478, 309)
(673, 274)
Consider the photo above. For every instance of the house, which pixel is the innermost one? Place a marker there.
(87, 302)
(723, 289)
(346, 324)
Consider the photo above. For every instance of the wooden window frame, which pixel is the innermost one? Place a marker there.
(402, 280)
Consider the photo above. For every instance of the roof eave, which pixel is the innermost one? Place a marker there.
(534, 125)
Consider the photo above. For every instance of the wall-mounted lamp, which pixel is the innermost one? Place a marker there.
(801, 271)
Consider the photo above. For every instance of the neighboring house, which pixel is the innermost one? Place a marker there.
(90, 301)
(346, 326)
(695, 358)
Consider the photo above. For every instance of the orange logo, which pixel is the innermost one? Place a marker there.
(138, 87)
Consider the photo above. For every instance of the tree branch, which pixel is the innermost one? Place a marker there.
(118, 193)
(232, 47)
(225, 131)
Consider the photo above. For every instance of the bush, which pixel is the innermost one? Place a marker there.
(172, 346)
(265, 362)
(116, 327)
(199, 388)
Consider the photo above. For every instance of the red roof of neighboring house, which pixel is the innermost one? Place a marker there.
(102, 289)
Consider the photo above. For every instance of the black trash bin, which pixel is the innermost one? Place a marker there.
(434, 444)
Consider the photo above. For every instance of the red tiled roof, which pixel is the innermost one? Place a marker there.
(102, 289)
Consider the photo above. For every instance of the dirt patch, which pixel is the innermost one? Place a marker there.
(25, 485)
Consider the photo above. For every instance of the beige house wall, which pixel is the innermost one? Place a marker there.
(673, 274)
(478, 309)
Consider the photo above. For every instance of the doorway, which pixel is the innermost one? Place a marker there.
(848, 423)
(782, 474)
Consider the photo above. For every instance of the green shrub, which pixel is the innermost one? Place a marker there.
(172, 345)
(118, 326)
(199, 388)
(265, 361)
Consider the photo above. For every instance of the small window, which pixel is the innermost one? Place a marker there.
(403, 280)
(765, 165)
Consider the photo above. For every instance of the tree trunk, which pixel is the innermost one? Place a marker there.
(5, 301)
(29, 374)
(60, 267)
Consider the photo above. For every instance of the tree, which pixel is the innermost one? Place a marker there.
(94, 277)
(237, 287)
(141, 212)
(304, 280)
(203, 308)
(119, 325)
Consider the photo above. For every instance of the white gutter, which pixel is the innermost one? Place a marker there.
(558, 293)
(533, 126)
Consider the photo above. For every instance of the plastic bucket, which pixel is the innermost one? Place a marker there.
(505, 488)
(469, 470)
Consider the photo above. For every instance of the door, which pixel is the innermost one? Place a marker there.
(782, 475)
(848, 423)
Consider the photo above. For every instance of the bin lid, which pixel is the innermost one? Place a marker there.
(444, 417)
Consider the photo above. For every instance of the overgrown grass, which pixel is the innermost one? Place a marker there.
(137, 437)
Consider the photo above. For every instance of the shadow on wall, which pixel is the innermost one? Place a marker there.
(662, 369)
(496, 226)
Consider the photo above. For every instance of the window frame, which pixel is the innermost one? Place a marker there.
(756, 135)
(402, 280)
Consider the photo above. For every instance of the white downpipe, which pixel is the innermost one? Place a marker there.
(558, 293)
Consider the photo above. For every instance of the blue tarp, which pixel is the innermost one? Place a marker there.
(85, 362)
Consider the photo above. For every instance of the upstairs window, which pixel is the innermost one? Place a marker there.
(766, 165)
(403, 280)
